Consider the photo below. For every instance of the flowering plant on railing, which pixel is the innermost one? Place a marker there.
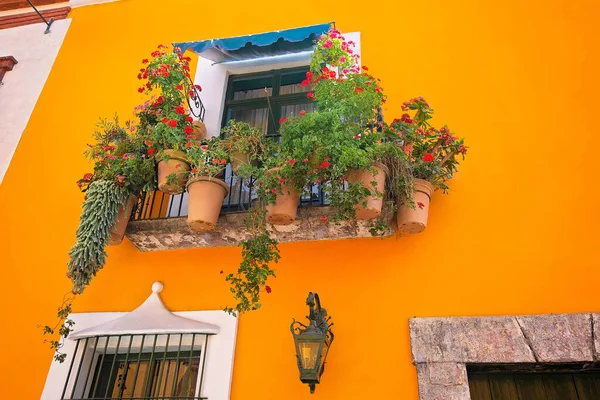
(120, 156)
(206, 157)
(340, 83)
(432, 153)
(166, 118)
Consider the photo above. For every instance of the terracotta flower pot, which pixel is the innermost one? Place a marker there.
(199, 130)
(411, 220)
(283, 212)
(177, 164)
(377, 174)
(238, 158)
(205, 197)
(117, 232)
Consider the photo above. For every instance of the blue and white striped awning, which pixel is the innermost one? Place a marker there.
(260, 45)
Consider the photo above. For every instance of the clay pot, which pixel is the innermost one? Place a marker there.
(177, 164)
(117, 232)
(205, 198)
(238, 158)
(374, 203)
(199, 130)
(414, 220)
(283, 212)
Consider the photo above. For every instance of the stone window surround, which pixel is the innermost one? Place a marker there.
(442, 347)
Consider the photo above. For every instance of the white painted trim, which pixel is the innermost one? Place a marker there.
(35, 53)
(219, 354)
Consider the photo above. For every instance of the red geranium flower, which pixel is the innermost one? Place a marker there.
(198, 87)
(87, 177)
(204, 147)
(274, 190)
(145, 61)
(324, 218)
(179, 87)
(365, 68)
(188, 129)
(160, 100)
(194, 170)
(325, 164)
(141, 90)
(151, 151)
(302, 112)
(189, 119)
(359, 90)
(310, 95)
(180, 110)
(172, 123)
(165, 120)
(268, 289)
(428, 157)
(292, 162)
(282, 120)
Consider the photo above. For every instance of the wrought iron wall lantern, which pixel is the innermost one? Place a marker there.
(312, 342)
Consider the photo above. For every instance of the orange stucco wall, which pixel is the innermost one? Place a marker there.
(517, 235)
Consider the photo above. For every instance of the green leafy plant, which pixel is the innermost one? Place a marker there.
(241, 137)
(123, 166)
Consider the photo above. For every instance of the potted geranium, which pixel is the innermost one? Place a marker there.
(206, 191)
(166, 120)
(432, 157)
(338, 140)
(243, 142)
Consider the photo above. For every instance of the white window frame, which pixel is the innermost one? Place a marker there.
(218, 368)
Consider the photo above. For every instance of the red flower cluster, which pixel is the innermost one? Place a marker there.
(325, 163)
(302, 112)
(268, 289)
(282, 120)
(406, 105)
(173, 123)
(428, 157)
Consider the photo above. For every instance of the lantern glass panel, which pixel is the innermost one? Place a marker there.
(309, 352)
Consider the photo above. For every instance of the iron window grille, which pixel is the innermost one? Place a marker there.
(136, 367)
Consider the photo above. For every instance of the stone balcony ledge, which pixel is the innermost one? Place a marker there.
(173, 233)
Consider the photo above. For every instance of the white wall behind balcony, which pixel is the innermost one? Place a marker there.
(35, 53)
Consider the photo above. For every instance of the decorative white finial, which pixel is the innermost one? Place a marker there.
(157, 287)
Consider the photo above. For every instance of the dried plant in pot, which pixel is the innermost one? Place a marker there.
(165, 118)
(243, 142)
(432, 159)
(206, 191)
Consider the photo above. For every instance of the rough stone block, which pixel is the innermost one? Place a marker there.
(468, 340)
(443, 381)
(173, 233)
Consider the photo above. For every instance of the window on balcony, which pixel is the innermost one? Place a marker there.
(260, 99)
(249, 96)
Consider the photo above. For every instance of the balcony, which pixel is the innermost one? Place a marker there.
(159, 221)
